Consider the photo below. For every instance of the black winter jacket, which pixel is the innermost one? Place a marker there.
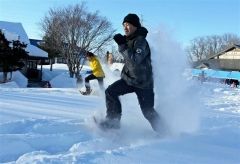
(137, 70)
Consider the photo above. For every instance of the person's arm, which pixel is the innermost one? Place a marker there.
(137, 54)
(89, 72)
(94, 64)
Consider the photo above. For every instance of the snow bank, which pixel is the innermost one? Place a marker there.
(110, 75)
(63, 81)
(18, 80)
(10, 84)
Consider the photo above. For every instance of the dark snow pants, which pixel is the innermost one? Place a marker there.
(93, 77)
(145, 99)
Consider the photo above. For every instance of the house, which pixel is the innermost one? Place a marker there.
(228, 59)
(15, 31)
(224, 65)
(38, 43)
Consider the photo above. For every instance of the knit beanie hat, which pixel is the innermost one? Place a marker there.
(90, 54)
(133, 19)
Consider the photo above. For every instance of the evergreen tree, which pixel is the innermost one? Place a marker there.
(11, 56)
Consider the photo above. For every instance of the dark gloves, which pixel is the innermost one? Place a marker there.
(89, 72)
(120, 39)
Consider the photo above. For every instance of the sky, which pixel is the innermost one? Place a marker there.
(185, 19)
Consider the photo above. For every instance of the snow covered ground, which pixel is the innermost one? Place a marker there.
(55, 126)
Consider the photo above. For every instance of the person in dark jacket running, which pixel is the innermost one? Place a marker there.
(136, 76)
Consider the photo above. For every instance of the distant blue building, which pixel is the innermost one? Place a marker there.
(224, 66)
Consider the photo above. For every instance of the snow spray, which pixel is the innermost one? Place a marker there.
(175, 99)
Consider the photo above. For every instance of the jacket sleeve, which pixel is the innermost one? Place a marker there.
(94, 65)
(136, 54)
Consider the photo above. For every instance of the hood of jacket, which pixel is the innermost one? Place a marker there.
(141, 31)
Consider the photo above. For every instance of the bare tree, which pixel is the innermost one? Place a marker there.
(203, 47)
(73, 30)
(197, 49)
(52, 37)
(229, 39)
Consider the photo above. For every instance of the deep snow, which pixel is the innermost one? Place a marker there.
(55, 126)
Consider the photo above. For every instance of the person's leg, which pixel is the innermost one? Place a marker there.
(146, 101)
(114, 108)
(100, 82)
(113, 104)
(87, 83)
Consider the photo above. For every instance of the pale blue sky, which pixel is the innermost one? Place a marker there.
(186, 19)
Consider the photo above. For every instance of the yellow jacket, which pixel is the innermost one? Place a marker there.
(96, 67)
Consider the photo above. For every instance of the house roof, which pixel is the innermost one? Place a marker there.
(203, 65)
(15, 31)
(35, 42)
(224, 51)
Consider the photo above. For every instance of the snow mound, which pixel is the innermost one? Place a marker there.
(11, 84)
(18, 80)
(63, 81)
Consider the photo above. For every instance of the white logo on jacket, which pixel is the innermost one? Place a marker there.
(138, 50)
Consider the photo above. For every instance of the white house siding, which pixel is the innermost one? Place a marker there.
(234, 54)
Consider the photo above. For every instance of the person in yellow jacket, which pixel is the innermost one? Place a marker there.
(95, 73)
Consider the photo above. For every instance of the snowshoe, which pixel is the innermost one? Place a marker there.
(87, 92)
(107, 124)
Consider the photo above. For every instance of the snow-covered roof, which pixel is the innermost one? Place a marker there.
(15, 31)
(35, 51)
(9, 36)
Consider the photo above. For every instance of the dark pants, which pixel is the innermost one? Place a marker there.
(145, 98)
(92, 77)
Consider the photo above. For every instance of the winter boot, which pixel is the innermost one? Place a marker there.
(87, 92)
(110, 124)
